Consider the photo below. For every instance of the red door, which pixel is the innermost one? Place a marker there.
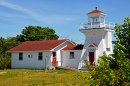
(91, 57)
(54, 59)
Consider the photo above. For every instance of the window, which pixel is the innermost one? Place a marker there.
(40, 56)
(54, 54)
(107, 49)
(20, 56)
(71, 55)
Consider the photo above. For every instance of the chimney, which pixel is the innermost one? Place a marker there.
(96, 8)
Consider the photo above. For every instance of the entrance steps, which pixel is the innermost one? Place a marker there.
(66, 68)
(83, 69)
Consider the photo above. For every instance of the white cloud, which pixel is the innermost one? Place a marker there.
(10, 15)
(56, 19)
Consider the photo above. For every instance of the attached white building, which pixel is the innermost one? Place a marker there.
(71, 56)
(98, 35)
(44, 54)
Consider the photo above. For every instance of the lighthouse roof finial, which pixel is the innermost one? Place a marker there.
(96, 11)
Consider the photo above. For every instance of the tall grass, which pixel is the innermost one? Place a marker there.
(25, 77)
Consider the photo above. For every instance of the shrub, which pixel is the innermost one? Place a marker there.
(104, 75)
(5, 61)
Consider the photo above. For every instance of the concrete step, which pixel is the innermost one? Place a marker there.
(83, 69)
(67, 68)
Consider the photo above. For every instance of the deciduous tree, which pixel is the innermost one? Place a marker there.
(2, 41)
(122, 43)
(6, 44)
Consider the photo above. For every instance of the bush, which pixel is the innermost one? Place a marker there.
(5, 61)
(104, 75)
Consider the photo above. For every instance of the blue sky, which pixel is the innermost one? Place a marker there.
(62, 15)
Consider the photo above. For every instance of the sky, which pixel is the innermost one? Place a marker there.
(64, 16)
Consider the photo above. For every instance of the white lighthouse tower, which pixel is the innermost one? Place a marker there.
(98, 35)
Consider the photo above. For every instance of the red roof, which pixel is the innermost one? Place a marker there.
(95, 11)
(93, 45)
(37, 45)
(77, 47)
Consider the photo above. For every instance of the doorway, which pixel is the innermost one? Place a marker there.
(91, 57)
(54, 59)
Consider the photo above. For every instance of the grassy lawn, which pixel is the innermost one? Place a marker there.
(28, 77)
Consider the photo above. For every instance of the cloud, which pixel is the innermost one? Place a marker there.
(53, 19)
(21, 9)
(13, 6)
(10, 15)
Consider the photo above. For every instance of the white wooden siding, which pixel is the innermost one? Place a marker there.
(66, 61)
(31, 62)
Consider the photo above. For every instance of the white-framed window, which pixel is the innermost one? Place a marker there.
(71, 55)
(20, 56)
(40, 57)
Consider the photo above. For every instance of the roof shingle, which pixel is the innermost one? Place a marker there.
(37, 45)
(95, 11)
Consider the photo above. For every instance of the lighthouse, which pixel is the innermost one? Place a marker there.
(98, 34)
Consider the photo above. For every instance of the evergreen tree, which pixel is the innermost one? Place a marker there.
(35, 33)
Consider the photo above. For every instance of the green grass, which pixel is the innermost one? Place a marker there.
(28, 77)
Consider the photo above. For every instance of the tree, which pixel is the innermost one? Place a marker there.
(2, 41)
(10, 42)
(114, 70)
(6, 44)
(122, 43)
(33, 33)
(5, 61)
